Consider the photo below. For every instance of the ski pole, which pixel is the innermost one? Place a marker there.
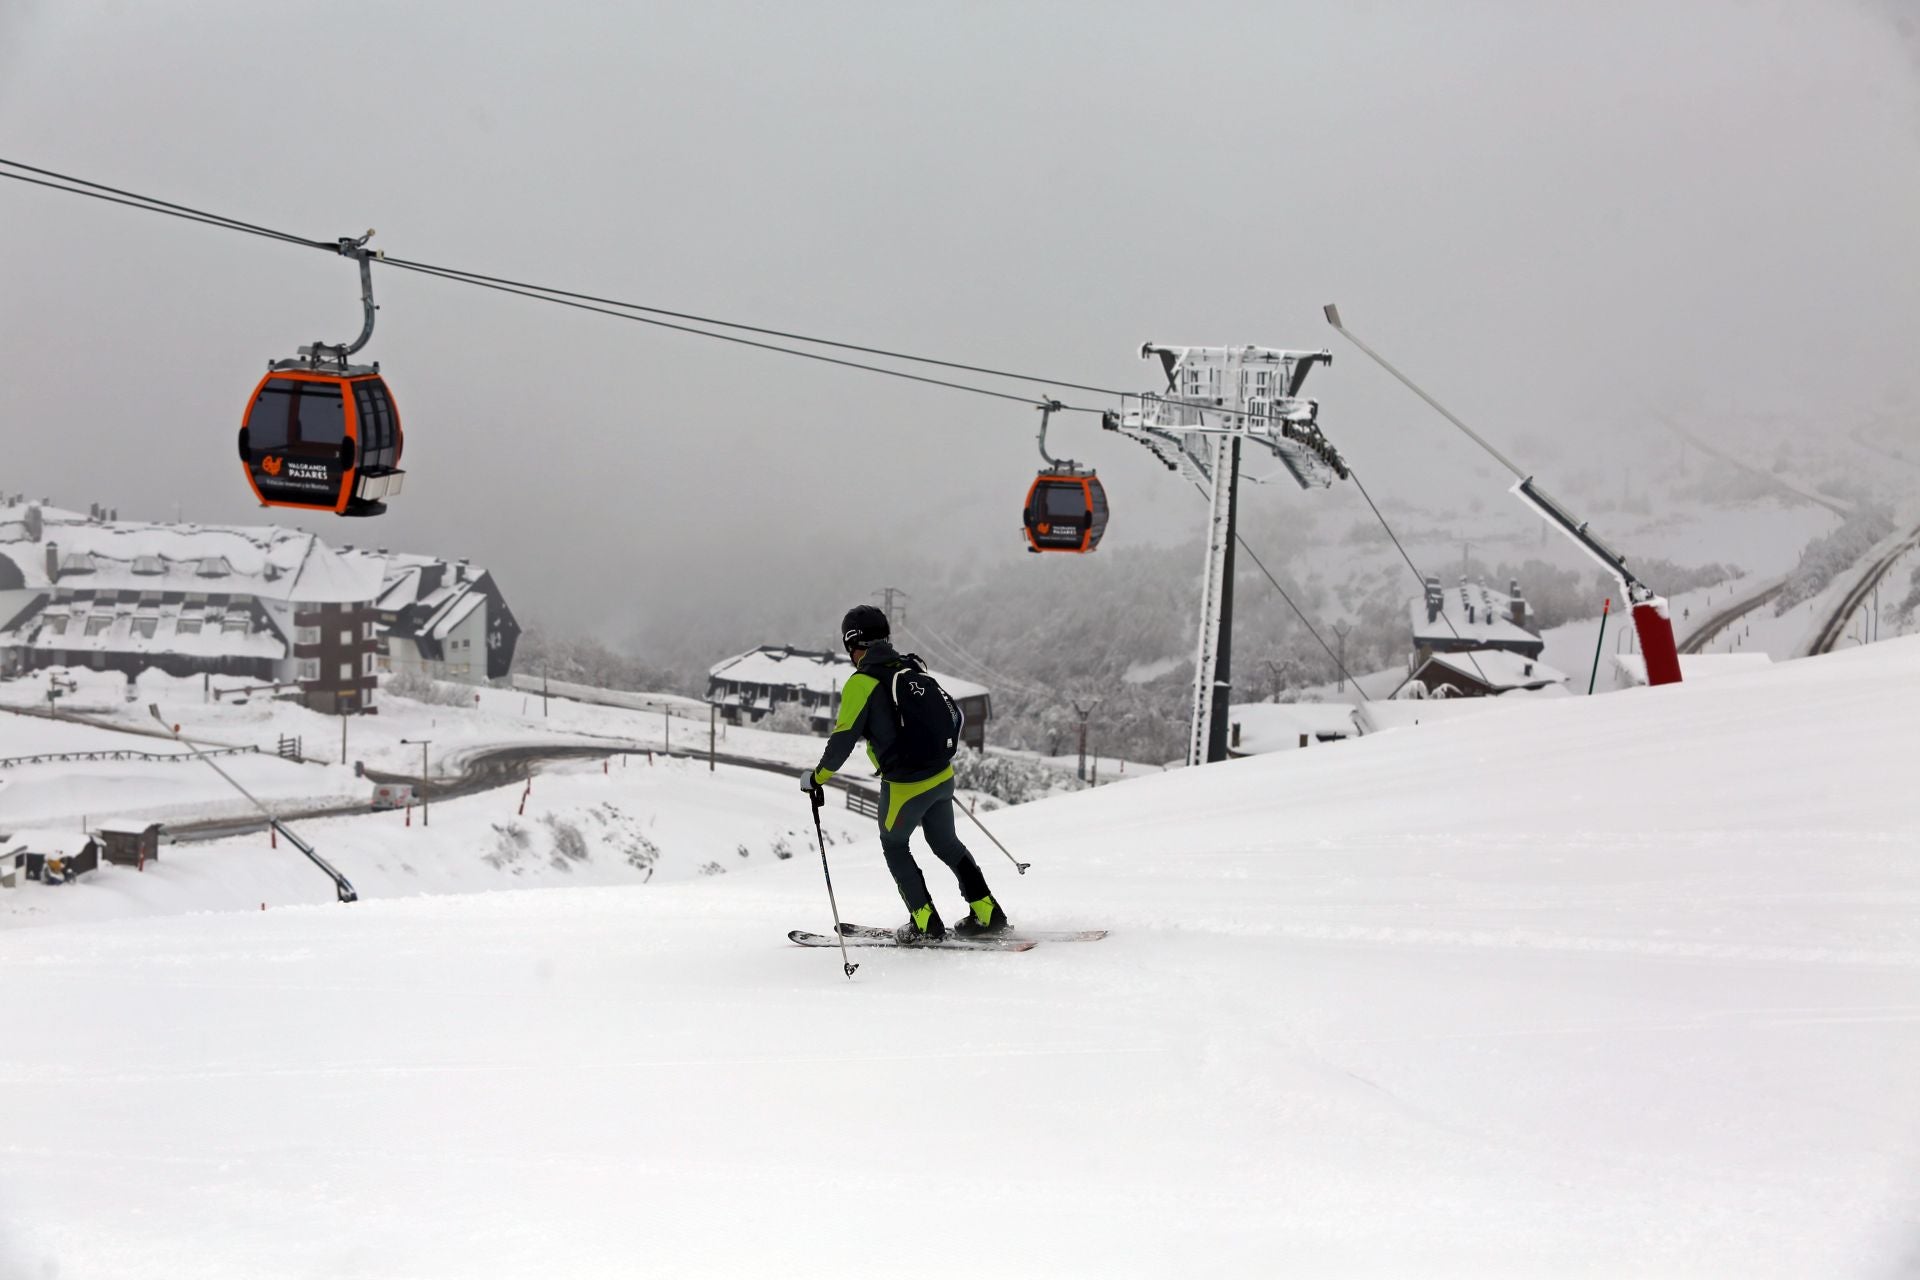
(996, 843)
(818, 797)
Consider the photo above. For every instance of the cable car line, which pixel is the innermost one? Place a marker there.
(559, 298)
(153, 204)
(160, 206)
(71, 185)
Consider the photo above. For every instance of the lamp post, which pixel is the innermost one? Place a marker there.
(425, 816)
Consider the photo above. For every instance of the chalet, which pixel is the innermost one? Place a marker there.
(753, 685)
(445, 620)
(270, 604)
(129, 842)
(1255, 728)
(1472, 616)
(1694, 667)
(32, 855)
(1482, 673)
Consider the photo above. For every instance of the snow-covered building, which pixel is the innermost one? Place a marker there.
(1255, 728)
(269, 604)
(1481, 673)
(753, 685)
(446, 620)
(1471, 616)
(1694, 667)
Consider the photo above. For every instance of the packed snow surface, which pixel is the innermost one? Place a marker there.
(1594, 987)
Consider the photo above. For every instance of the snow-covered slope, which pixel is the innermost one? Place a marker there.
(1596, 987)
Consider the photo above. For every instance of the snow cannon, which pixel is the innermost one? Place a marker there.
(1651, 620)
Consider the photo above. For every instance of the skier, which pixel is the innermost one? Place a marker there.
(913, 758)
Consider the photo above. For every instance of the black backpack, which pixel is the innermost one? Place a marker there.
(927, 722)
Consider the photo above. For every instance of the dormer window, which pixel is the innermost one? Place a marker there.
(149, 566)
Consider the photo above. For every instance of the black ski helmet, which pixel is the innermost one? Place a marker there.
(862, 626)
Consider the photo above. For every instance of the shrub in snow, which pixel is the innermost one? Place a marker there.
(788, 717)
(510, 843)
(1007, 778)
(568, 844)
(418, 687)
(1833, 554)
(643, 854)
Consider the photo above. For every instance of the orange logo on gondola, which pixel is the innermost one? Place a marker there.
(270, 465)
(1045, 529)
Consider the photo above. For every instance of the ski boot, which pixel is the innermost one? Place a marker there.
(985, 917)
(923, 926)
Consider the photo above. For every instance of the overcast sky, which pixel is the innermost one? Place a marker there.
(1549, 213)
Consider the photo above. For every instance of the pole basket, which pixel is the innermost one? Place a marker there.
(1655, 629)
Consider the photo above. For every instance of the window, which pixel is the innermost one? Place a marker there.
(306, 635)
(98, 624)
(144, 627)
(346, 638)
(235, 624)
(57, 625)
(307, 669)
(374, 423)
(299, 417)
(1065, 502)
(187, 627)
(346, 671)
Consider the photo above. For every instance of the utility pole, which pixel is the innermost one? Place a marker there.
(343, 737)
(543, 688)
(422, 743)
(713, 729)
(1340, 629)
(1083, 713)
(886, 597)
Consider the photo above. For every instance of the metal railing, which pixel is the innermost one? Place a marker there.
(57, 757)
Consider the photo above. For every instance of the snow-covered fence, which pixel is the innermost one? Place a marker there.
(58, 757)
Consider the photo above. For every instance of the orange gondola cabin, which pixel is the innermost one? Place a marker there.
(321, 440)
(1066, 511)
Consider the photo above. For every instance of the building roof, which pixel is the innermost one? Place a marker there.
(1382, 714)
(1277, 726)
(62, 843)
(1694, 666)
(455, 611)
(1498, 669)
(140, 556)
(782, 666)
(1491, 625)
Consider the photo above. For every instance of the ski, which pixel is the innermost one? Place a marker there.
(805, 939)
(851, 931)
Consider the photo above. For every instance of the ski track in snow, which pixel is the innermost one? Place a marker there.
(1620, 986)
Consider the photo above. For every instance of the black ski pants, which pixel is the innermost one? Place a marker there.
(932, 812)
